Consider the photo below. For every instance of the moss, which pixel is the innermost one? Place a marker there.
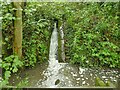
(59, 46)
(99, 82)
(110, 84)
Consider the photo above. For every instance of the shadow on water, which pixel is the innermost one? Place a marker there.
(54, 74)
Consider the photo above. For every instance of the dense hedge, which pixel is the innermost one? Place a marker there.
(93, 36)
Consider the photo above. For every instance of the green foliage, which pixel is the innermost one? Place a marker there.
(92, 35)
(110, 84)
(7, 28)
(99, 82)
(23, 83)
(10, 64)
(35, 36)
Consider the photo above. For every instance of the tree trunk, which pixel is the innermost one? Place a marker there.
(17, 44)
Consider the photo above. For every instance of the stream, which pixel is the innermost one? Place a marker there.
(55, 74)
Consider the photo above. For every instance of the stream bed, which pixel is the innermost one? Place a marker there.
(67, 75)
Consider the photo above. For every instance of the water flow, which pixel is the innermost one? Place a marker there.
(53, 68)
(53, 45)
(53, 49)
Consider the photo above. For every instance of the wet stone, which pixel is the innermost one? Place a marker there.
(57, 81)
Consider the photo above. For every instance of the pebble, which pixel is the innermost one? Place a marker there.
(78, 79)
(83, 79)
(115, 80)
(111, 77)
(81, 75)
(74, 75)
(103, 76)
(83, 82)
(106, 79)
(66, 77)
(69, 81)
(91, 74)
(88, 84)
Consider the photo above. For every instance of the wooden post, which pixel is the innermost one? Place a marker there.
(17, 44)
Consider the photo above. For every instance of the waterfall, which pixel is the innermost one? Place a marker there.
(53, 66)
(53, 44)
(52, 72)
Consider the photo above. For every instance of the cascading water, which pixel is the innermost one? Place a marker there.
(53, 48)
(53, 68)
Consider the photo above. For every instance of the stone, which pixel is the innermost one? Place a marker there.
(57, 81)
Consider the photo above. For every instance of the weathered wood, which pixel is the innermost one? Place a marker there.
(17, 44)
